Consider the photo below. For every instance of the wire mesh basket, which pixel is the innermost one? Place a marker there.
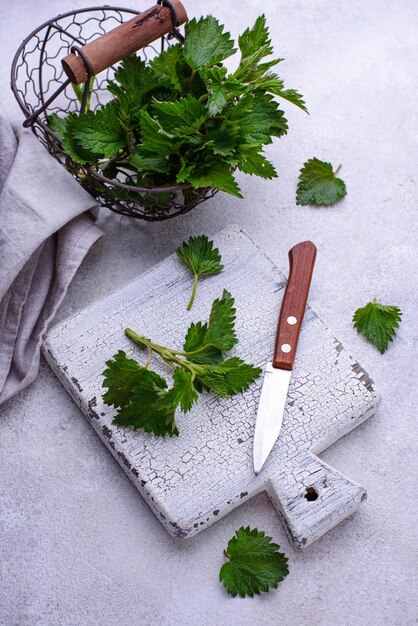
(41, 88)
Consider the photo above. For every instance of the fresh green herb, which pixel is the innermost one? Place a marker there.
(183, 117)
(318, 184)
(57, 124)
(142, 396)
(377, 322)
(254, 564)
(202, 259)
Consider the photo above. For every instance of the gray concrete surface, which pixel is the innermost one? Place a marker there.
(78, 546)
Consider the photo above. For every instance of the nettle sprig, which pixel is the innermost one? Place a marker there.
(183, 117)
(143, 398)
(201, 258)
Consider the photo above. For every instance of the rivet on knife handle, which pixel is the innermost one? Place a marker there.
(301, 264)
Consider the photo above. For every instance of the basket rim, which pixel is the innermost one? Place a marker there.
(26, 111)
(60, 16)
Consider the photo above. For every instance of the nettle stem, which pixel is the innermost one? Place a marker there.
(192, 297)
(338, 169)
(167, 354)
(228, 556)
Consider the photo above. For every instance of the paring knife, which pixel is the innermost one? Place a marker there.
(278, 372)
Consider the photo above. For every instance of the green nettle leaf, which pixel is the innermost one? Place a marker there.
(148, 410)
(220, 87)
(228, 377)
(99, 133)
(71, 144)
(206, 43)
(222, 142)
(254, 564)
(205, 343)
(220, 330)
(378, 323)
(271, 83)
(165, 64)
(183, 392)
(252, 162)
(142, 397)
(183, 117)
(218, 175)
(144, 160)
(201, 258)
(255, 38)
(258, 119)
(318, 184)
(57, 124)
(155, 138)
(137, 78)
(119, 378)
(198, 349)
(138, 393)
(255, 45)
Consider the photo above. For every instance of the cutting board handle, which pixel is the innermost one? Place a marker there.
(316, 500)
(301, 265)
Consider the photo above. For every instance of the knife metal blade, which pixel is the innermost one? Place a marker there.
(278, 372)
(270, 413)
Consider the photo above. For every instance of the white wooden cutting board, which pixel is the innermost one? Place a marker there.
(193, 480)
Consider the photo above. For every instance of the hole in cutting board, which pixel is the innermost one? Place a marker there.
(311, 494)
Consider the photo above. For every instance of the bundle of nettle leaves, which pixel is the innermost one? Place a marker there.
(183, 118)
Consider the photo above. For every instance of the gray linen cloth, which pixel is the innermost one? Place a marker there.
(44, 235)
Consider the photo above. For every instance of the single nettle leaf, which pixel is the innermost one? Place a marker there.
(218, 175)
(257, 118)
(254, 38)
(155, 139)
(201, 258)
(271, 83)
(183, 392)
(254, 564)
(378, 323)
(205, 343)
(70, 143)
(119, 378)
(182, 117)
(148, 411)
(206, 43)
(318, 184)
(221, 87)
(57, 124)
(165, 64)
(221, 325)
(222, 141)
(255, 45)
(101, 132)
(251, 161)
(137, 78)
(228, 377)
(138, 394)
(144, 160)
(198, 351)
(199, 255)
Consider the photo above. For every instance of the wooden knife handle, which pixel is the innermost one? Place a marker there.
(301, 264)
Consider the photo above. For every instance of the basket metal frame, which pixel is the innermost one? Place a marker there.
(103, 188)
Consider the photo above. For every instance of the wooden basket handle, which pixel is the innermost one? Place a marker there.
(122, 41)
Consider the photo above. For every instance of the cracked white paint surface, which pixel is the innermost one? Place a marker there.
(193, 480)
